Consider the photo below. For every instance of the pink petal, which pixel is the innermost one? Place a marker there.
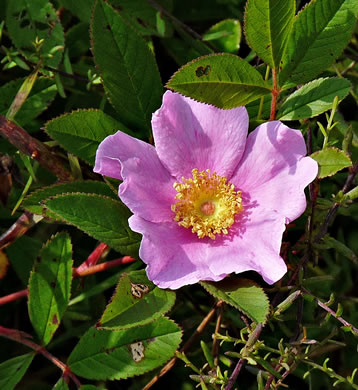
(255, 242)
(189, 135)
(177, 257)
(174, 255)
(147, 188)
(273, 170)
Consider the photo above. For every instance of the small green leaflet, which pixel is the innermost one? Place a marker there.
(137, 301)
(313, 98)
(50, 286)
(27, 21)
(61, 385)
(104, 354)
(80, 132)
(225, 35)
(318, 36)
(330, 161)
(35, 202)
(101, 217)
(267, 26)
(224, 80)
(12, 370)
(243, 294)
(130, 75)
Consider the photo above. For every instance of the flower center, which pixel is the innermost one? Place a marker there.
(206, 203)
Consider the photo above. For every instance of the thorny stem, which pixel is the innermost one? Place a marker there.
(199, 330)
(76, 274)
(23, 338)
(275, 93)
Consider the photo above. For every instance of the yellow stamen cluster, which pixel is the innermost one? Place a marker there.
(206, 203)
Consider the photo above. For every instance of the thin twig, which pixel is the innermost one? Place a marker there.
(215, 347)
(275, 93)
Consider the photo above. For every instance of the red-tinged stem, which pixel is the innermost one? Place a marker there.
(275, 93)
(76, 274)
(34, 148)
(19, 228)
(24, 338)
(102, 267)
(13, 297)
(94, 257)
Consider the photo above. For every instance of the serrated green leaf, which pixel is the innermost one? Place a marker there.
(61, 385)
(27, 21)
(35, 201)
(50, 286)
(318, 36)
(136, 301)
(267, 26)
(330, 161)
(313, 98)
(41, 95)
(12, 370)
(243, 294)
(225, 35)
(104, 354)
(224, 80)
(128, 68)
(101, 217)
(91, 387)
(80, 132)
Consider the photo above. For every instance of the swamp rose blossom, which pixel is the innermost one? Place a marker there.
(208, 199)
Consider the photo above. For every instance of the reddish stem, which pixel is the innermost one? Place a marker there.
(102, 267)
(101, 250)
(275, 92)
(76, 274)
(13, 297)
(24, 338)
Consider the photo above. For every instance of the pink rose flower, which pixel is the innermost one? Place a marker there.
(208, 199)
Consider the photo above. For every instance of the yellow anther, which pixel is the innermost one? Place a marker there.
(206, 203)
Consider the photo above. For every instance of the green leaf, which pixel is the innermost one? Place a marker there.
(137, 301)
(12, 370)
(61, 385)
(128, 68)
(35, 201)
(319, 35)
(313, 98)
(103, 354)
(101, 217)
(50, 286)
(28, 20)
(267, 26)
(330, 161)
(224, 80)
(243, 294)
(80, 132)
(225, 36)
(41, 95)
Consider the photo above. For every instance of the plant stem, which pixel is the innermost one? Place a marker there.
(275, 93)
(23, 338)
